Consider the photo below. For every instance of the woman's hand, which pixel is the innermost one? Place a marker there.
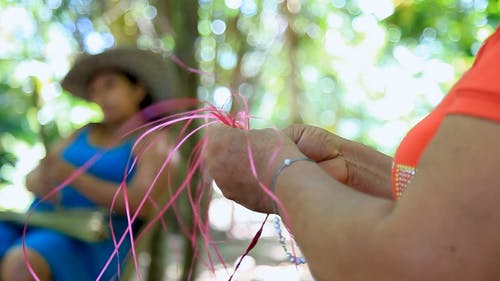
(61, 170)
(353, 164)
(50, 173)
(37, 182)
(321, 146)
(228, 162)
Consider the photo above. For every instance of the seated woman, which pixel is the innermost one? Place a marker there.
(122, 82)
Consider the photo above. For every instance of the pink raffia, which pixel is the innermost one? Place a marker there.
(206, 113)
(211, 115)
(196, 191)
(183, 65)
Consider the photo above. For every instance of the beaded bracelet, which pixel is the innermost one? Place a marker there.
(277, 225)
(287, 162)
(291, 257)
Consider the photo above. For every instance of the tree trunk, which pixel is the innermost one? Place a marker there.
(181, 19)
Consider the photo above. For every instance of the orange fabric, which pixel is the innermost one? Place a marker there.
(476, 94)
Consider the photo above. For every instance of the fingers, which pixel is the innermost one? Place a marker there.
(316, 143)
(295, 132)
(240, 161)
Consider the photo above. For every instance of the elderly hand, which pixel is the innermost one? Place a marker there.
(228, 162)
(322, 147)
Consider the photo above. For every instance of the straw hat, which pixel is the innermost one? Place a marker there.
(148, 67)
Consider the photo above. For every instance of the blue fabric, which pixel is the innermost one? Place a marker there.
(70, 259)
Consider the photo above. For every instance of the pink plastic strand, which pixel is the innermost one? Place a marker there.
(129, 230)
(211, 115)
(252, 244)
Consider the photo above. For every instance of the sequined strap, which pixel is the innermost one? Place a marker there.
(403, 175)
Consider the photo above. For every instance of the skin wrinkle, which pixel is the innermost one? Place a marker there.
(327, 156)
(378, 177)
(351, 179)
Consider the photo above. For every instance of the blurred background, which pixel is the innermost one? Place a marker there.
(365, 69)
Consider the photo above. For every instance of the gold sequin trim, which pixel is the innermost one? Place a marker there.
(404, 174)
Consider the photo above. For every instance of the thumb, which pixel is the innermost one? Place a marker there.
(316, 143)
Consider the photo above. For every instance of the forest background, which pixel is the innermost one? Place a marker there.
(365, 69)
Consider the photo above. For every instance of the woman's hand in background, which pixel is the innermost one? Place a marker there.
(49, 174)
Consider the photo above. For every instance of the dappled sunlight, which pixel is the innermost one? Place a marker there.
(14, 196)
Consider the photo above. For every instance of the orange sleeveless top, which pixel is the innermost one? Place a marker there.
(476, 94)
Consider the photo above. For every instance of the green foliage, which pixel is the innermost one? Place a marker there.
(455, 24)
(27, 54)
(6, 159)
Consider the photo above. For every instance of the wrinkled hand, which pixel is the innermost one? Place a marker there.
(322, 147)
(228, 162)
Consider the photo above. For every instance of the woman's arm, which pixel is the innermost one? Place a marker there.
(42, 179)
(150, 174)
(445, 227)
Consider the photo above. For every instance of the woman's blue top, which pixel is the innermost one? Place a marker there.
(68, 258)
